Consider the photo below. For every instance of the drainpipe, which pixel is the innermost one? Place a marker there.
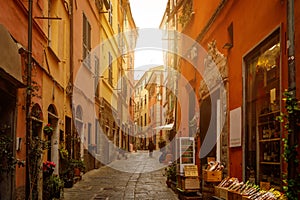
(291, 78)
(28, 102)
(71, 80)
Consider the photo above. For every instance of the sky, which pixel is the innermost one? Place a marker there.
(147, 14)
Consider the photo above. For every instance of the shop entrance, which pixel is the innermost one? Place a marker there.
(7, 138)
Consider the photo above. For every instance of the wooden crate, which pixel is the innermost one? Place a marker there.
(223, 193)
(217, 191)
(232, 195)
(191, 183)
(245, 197)
(210, 159)
(212, 176)
(264, 185)
(188, 183)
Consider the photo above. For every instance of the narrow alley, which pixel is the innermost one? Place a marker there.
(131, 178)
(212, 87)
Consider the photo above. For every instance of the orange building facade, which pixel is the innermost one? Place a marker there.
(247, 40)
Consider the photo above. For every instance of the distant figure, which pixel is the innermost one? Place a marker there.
(162, 157)
(151, 148)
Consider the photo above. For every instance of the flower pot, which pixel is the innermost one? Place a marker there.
(48, 133)
(68, 183)
(57, 195)
(168, 182)
(76, 171)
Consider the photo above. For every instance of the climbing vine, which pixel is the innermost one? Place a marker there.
(291, 122)
(7, 160)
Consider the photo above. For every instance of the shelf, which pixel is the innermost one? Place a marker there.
(269, 113)
(263, 123)
(270, 163)
(270, 140)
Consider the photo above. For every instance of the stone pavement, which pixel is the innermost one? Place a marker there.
(138, 177)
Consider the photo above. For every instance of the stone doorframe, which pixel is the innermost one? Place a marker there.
(215, 60)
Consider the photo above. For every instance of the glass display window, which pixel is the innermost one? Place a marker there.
(262, 105)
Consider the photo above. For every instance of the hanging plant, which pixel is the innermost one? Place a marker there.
(48, 129)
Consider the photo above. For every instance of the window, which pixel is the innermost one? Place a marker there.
(86, 42)
(145, 119)
(97, 127)
(96, 76)
(110, 72)
(89, 134)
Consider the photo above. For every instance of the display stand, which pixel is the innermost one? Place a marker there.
(188, 183)
(185, 153)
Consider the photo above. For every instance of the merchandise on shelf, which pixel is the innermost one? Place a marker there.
(214, 166)
(247, 190)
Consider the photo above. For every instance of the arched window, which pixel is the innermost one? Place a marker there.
(52, 109)
(36, 112)
(78, 114)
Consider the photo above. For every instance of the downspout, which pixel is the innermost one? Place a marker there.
(291, 80)
(71, 47)
(28, 103)
(291, 47)
(71, 81)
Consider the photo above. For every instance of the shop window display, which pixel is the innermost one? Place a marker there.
(262, 104)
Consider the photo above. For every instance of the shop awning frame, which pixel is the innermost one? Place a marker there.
(165, 127)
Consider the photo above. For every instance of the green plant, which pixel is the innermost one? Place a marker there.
(291, 121)
(170, 172)
(52, 187)
(36, 148)
(7, 161)
(48, 129)
(79, 164)
(64, 153)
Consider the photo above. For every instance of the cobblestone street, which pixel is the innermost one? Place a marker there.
(137, 177)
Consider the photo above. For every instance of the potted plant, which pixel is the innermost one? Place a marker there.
(78, 166)
(48, 129)
(52, 187)
(48, 168)
(170, 173)
(52, 184)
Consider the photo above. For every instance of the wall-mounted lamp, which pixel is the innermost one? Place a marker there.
(229, 45)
